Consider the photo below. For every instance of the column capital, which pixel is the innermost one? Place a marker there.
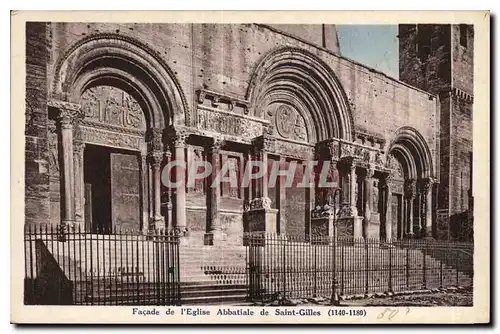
(78, 147)
(68, 113)
(216, 145)
(369, 172)
(156, 158)
(178, 136)
(426, 184)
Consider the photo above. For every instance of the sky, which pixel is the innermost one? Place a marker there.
(375, 46)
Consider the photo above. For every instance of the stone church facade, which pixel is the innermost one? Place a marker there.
(109, 105)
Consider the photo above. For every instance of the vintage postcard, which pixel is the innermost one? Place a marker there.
(244, 167)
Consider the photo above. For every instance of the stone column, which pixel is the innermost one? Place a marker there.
(158, 221)
(79, 191)
(282, 199)
(144, 175)
(410, 196)
(214, 234)
(168, 213)
(352, 187)
(259, 214)
(368, 185)
(427, 191)
(67, 115)
(388, 207)
(179, 139)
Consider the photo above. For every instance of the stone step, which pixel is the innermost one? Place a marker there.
(212, 293)
(215, 300)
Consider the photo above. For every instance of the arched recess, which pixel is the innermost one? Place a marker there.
(412, 152)
(297, 78)
(127, 64)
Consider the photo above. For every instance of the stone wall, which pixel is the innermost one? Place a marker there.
(222, 58)
(37, 208)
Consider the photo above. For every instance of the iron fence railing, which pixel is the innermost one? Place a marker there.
(110, 267)
(281, 266)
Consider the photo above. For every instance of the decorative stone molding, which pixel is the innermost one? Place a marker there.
(462, 95)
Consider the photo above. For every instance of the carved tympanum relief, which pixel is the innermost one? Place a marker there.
(110, 105)
(287, 121)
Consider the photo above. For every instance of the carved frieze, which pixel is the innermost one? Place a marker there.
(227, 123)
(108, 138)
(293, 150)
(110, 105)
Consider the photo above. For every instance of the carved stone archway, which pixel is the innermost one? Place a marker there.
(114, 91)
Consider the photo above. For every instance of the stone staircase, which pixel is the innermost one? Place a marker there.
(213, 275)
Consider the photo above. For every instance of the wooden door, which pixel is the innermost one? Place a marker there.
(125, 191)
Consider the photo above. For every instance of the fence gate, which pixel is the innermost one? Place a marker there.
(110, 267)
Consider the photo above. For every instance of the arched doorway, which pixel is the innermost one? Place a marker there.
(411, 185)
(114, 99)
(304, 103)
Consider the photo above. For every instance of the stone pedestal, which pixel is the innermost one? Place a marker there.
(262, 220)
(323, 228)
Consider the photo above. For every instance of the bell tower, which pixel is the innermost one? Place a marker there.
(439, 59)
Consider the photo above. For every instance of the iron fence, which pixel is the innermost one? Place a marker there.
(110, 267)
(292, 267)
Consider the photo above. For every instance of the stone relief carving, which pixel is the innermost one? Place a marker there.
(53, 156)
(258, 203)
(107, 138)
(289, 123)
(228, 124)
(107, 104)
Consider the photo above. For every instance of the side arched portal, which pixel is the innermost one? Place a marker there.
(113, 98)
(410, 160)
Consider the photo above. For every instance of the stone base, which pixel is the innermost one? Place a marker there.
(350, 227)
(261, 220)
(322, 229)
